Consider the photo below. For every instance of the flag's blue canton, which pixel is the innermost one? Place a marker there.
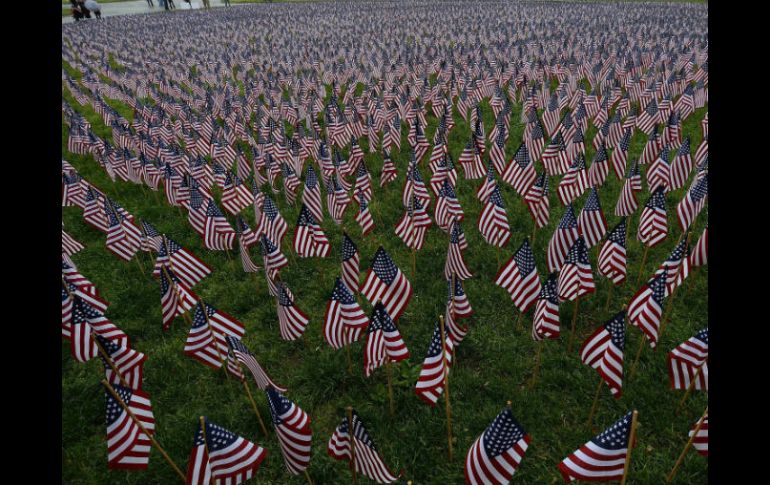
(618, 234)
(678, 253)
(522, 156)
(496, 198)
(341, 293)
(550, 290)
(228, 180)
(164, 283)
(305, 217)
(568, 220)
(658, 286)
(90, 195)
(362, 202)
(652, 107)
(447, 190)
(234, 344)
(502, 434)
(436, 346)
(196, 199)
(703, 336)
(567, 121)
(311, 179)
(240, 224)
(537, 131)
(149, 230)
(109, 346)
(218, 169)
(212, 210)
(490, 172)
(525, 259)
(684, 148)
(617, 329)
(542, 183)
(348, 247)
(578, 254)
(415, 173)
(634, 171)
(267, 246)
(626, 140)
(454, 237)
(64, 294)
(578, 136)
(283, 296)
(114, 408)
(271, 211)
(601, 154)
(553, 103)
(360, 432)
(700, 190)
(579, 163)
(217, 437)
(362, 172)
(581, 111)
(278, 404)
(657, 200)
(199, 318)
(592, 203)
(704, 164)
(616, 436)
(459, 292)
(664, 153)
(500, 140)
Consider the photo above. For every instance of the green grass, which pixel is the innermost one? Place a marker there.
(493, 363)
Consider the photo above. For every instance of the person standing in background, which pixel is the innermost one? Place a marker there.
(227, 3)
(149, 2)
(94, 7)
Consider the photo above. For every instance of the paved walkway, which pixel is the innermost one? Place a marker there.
(140, 6)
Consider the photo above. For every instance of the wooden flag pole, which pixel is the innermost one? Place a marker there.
(446, 386)
(609, 297)
(687, 446)
(390, 385)
(632, 371)
(347, 356)
(307, 476)
(596, 400)
(574, 320)
(690, 388)
(534, 233)
(630, 447)
(641, 267)
(111, 363)
(254, 405)
(536, 371)
(518, 320)
(452, 303)
(144, 430)
(206, 444)
(351, 436)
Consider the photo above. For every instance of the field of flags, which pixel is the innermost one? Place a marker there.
(406, 242)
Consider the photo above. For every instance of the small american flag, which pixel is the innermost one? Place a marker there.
(603, 351)
(603, 458)
(455, 263)
(186, 266)
(520, 172)
(350, 264)
(430, 384)
(389, 172)
(597, 172)
(575, 182)
(129, 362)
(383, 341)
(206, 340)
(413, 224)
(311, 195)
(344, 321)
(562, 240)
(385, 282)
(575, 276)
(688, 362)
(627, 203)
(646, 307)
(519, 277)
(128, 447)
(612, 257)
(659, 173)
(537, 201)
(292, 320)
(591, 222)
(699, 254)
(152, 240)
(364, 216)
(176, 298)
(493, 221)
(123, 237)
(367, 460)
(218, 234)
(272, 223)
(619, 156)
(701, 441)
(272, 256)
(653, 227)
(220, 456)
(238, 351)
(692, 203)
(448, 207)
(681, 166)
(495, 455)
(309, 238)
(292, 427)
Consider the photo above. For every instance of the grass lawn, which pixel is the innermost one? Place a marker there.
(492, 364)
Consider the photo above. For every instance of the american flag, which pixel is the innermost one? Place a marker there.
(519, 277)
(350, 264)
(575, 276)
(363, 182)
(176, 298)
(591, 222)
(218, 234)
(646, 307)
(520, 172)
(455, 263)
(152, 240)
(562, 240)
(603, 351)
(246, 239)
(597, 172)
(185, 265)
(603, 458)
(309, 239)
(196, 211)
(383, 341)
(692, 203)
(389, 172)
(537, 201)
(653, 227)
(688, 362)
(129, 362)
(123, 237)
(699, 254)
(290, 183)
(344, 321)
(221, 456)
(238, 351)
(470, 160)
(364, 216)
(681, 166)
(649, 118)
(659, 173)
(413, 224)
(385, 282)
(311, 195)
(415, 187)
(272, 223)
(206, 340)
(292, 320)
(128, 447)
(430, 384)
(575, 182)
(448, 207)
(701, 441)
(86, 323)
(235, 195)
(555, 159)
(493, 221)
(69, 245)
(652, 149)
(619, 156)
(612, 257)
(367, 460)
(676, 266)
(292, 427)
(486, 188)
(79, 286)
(627, 203)
(495, 455)
(497, 152)
(457, 306)
(272, 256)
